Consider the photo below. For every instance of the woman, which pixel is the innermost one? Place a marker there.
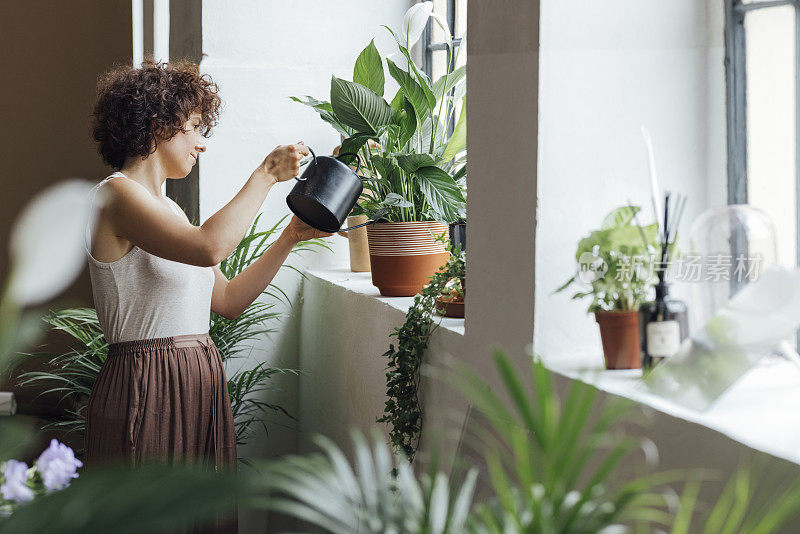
(162, 393)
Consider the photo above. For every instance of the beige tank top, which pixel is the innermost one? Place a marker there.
(143, 296)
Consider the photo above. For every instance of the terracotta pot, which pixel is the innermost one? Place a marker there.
(359, 249)
(451, 308)
(403, 256)
(619, 331)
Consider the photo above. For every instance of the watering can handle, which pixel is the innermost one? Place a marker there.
(314, 156)
(358, 158)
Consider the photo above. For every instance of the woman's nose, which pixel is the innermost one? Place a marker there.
(200, 147)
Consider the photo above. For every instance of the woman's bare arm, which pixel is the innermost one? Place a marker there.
(231, 297)
(147, 222)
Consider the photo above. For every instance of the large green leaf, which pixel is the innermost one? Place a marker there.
(446, 83)
(352, 145)
(325, 111)
(368, 70)
(421, 139)
(411, 89)
(460, 173)
(407, 120)
(397, 101)
(458, 141)
(441, 192)
(358, 107)
(412, 162)
(420, 76)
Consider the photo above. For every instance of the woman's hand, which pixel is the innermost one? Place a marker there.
(298, 231)
(283, 163)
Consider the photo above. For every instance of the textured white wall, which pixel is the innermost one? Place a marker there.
(608, 68)
(260, 53)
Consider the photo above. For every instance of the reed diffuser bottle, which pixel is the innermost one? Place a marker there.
(663, 323)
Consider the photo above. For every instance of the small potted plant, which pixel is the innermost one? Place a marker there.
(451, 301)
(414, 169)
(615, 268)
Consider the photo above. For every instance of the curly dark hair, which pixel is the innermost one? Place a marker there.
(137, 108)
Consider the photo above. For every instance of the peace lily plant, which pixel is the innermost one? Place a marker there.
(414, 169)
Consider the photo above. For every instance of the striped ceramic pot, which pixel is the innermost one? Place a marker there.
(404, 255)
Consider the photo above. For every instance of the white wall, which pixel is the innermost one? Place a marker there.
(608, 68)
(261, 53)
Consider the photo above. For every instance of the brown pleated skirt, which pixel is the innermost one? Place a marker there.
(163, 400)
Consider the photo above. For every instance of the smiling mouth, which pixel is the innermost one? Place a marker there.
(193, 157)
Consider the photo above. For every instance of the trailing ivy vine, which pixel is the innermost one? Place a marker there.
(402, 409)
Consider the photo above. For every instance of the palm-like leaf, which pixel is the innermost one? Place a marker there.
(74, 373)
(551, 461)
(326, 491)
(739, 508)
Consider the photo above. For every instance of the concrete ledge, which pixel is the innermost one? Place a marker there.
(761, 410)
(361, 283)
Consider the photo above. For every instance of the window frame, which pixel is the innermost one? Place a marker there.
(736, 91)
(736, 105)
(430, 47)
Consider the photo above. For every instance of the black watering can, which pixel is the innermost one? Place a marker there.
(326, 192)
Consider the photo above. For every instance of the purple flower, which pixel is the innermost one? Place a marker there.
(57, 464)
(14, 488)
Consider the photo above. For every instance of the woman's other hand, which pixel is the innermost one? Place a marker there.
(298, 231)
(283, 163)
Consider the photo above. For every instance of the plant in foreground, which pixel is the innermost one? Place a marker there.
(53, 470)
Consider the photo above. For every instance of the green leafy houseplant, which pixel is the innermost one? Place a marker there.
(616, 268)
(616, 262)
(402, 410)
(74, 372)
(415, 170)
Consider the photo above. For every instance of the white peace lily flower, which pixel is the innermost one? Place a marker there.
(415, 20)
(46, 244)
(58, 465)
(14, 489)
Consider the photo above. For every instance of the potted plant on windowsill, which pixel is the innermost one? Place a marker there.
(615, 268)
(415, 169)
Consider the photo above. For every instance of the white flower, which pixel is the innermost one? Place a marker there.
(14, 488)
(46, 243)
(57, 464)
(415, 20)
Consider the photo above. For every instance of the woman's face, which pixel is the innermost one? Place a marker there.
(179, 154)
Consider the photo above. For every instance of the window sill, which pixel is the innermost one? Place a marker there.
(361, 284)
(759, 410)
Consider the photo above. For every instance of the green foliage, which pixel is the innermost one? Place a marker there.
(75, 372)
(552, 460)
(402, 410)
(410, 128)
(325, 491)
(621, 257)
(740, 508)
(149, 499)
